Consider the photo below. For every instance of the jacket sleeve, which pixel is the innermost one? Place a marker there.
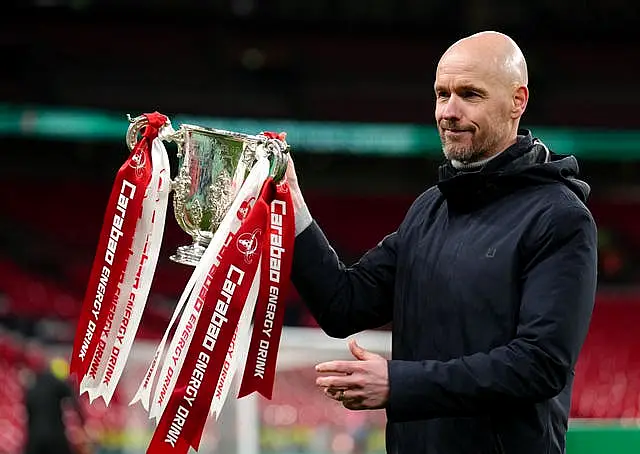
(344, 300)
(558, 293)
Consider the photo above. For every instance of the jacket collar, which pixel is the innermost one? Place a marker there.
(466, 189)
(523, 144)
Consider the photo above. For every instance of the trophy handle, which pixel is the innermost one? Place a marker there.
(139, 122)
(278, 149)
(136, 125)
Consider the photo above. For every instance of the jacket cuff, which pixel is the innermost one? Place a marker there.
(406, 391)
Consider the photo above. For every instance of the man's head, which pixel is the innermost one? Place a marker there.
(481, 93)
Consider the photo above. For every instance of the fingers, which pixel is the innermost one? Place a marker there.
(354, 404)
(290, 174)
(341, 367)
(339, 381)
(343, 394)
(335, 393)
(350, 398)
(357, 351)
(360, 353)
(358, 384)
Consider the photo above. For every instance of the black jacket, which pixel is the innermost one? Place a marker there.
(490, 284)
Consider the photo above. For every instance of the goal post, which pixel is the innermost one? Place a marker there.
(298, 418)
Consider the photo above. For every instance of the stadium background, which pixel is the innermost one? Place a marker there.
(351, 82)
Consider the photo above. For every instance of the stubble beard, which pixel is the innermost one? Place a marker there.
(474, 152)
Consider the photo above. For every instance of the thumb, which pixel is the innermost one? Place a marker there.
(296, 193)
(359, 352)
(291, 175)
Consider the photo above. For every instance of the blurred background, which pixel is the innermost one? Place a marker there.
(351, 82)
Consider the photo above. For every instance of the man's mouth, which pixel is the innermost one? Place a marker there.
(456, 131)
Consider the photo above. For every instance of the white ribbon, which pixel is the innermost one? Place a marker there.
(230, 224)
(181, 340)
(238, 351)
(138, 276)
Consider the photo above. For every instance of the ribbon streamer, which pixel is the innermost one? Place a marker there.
(113, 262)
(242, 276)
(260, 366)
(220, 336)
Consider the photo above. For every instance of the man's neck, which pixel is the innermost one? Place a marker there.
(471, 165)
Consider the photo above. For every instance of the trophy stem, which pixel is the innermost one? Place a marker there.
(191, 254)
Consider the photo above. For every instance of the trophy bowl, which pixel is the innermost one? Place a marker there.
(212, 166)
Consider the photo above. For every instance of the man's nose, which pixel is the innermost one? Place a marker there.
(452, 108)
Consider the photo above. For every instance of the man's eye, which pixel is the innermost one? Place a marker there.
(469, 94)
(442, 94)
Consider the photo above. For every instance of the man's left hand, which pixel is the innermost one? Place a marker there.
(360, 385)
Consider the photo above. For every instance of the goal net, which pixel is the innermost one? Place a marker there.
(298, 419)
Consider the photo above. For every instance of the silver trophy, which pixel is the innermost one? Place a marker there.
(212, 166)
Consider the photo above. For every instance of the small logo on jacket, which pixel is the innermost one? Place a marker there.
(491, 252)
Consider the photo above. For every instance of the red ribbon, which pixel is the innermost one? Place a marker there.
(114, 247)
(267, 232)
(275, 135)
(228, 285)
(260, 367)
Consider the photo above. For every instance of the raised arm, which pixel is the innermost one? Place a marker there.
(343, 299)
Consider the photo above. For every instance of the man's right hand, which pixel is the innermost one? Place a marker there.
(303, 216)
(291, 176)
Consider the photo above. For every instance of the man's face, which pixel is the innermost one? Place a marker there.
(472, 109)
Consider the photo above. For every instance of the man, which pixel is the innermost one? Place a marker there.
(46, 394)
(489, 281)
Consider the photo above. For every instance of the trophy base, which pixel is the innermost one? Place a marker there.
(189, 255)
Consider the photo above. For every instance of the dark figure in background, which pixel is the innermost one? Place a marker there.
(46, 396)
(489, 281)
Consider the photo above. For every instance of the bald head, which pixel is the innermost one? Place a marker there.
(494, 53)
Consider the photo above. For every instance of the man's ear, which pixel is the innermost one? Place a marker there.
(519, 101)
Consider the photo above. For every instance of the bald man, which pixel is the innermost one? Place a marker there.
(481, 93)
(489, 281)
